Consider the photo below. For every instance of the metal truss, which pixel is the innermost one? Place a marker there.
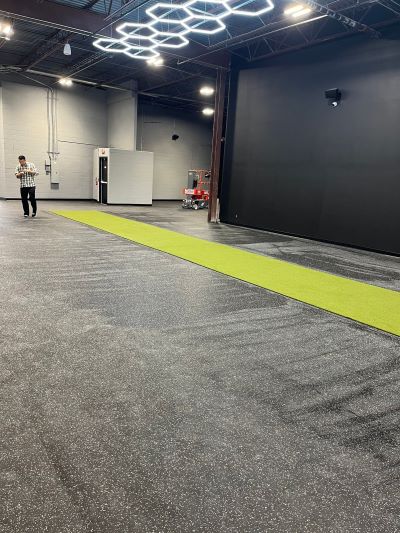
(272, 40)
(177, 80)
(53, 43)
(46, 49)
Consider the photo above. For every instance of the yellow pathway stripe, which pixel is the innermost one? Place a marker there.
(365, 303)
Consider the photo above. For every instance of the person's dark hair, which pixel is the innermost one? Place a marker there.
(21, 157)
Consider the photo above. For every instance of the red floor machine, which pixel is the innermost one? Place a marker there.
(197, 191)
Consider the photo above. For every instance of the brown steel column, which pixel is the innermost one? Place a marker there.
(216, 144)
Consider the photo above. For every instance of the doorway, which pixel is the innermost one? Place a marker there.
(103, 179)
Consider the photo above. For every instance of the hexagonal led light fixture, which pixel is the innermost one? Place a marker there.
(169, 23)
(162, 26)
(206, 26)
(133, 29)
(112, 45)
(140, 52)
(163, 11)
(122, 46)
(169, 40)
(198, 9)
(255, 7)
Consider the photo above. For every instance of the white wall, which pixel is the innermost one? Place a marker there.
(82, 126)
(2, 158)
(173, 159)
(122, 119)
(89, 118)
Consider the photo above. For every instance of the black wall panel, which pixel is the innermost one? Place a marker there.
(294, 164)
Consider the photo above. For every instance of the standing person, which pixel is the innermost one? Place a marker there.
(26, 173)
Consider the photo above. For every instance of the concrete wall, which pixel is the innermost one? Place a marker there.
(173, 159)
(86, 119)
(82, 125)
(2, 158)
(122, 120)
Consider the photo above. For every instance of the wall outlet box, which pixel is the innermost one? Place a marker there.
(54, 175)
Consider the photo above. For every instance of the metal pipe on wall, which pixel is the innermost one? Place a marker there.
(52, 143)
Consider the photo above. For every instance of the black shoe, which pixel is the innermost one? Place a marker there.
(26, 216)
(33, 215)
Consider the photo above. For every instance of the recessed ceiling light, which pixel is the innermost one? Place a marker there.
(293, 9)
(155, 61)
(65, 81)
(208, 111)
(207, 91)
(6, 29)
(302, 12)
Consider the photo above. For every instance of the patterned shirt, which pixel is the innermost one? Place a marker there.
(27, 180)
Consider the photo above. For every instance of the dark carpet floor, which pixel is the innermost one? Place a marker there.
(140, 393)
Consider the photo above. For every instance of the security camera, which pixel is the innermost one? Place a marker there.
(334, 95)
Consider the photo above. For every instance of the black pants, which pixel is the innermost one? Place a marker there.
(25, 193)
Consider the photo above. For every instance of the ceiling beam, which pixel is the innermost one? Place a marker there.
(58, 16)
(90, 24)
(332, 37)
(336, 15)
(46, 49)
(170, 97)
(91, 4)
(171, 82)
(51, 45)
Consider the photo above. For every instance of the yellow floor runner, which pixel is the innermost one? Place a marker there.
(362, 302)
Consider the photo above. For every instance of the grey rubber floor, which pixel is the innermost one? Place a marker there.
(141, 393)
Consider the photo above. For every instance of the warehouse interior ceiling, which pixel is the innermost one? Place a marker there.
(43, 27)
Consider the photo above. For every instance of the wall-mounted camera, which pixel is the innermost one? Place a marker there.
(334, 96)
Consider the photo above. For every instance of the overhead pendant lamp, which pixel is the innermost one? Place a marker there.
(67, 49)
